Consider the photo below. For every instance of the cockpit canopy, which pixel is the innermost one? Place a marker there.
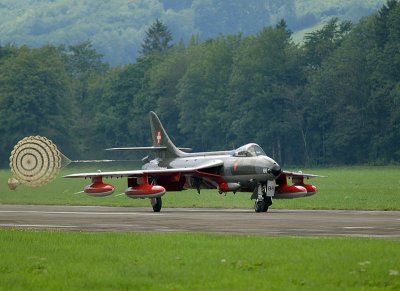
(249, 150)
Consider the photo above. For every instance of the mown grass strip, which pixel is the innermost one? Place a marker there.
(48, 260)
(359, 188)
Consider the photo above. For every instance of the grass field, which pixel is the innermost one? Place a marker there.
(51, 260)
(110, 261)
(361, 188)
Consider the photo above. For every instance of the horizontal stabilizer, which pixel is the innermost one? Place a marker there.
(159, 148)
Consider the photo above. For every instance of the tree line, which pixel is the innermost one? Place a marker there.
(334, 99)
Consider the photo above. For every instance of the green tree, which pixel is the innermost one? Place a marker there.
(163, 85)
(87, 70)
(385, 77)
(114, 109)
(355, 92)
(6, 52)
(322, 43)
(384, 20)
(340, 95)
(202, 96)
(158, 39)
(84, 63)
(35, 98)
(266, 73)
(122, 106)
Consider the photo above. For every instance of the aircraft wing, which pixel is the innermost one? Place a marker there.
(129, 173)
(301, 174)
(152, 172)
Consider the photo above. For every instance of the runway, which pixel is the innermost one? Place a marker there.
(377, 224)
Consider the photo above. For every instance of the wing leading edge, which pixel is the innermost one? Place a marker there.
(301, 174)
(153, 172)
(151, 149)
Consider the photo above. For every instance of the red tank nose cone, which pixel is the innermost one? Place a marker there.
(311, 189)
(145, 191)
(99, 189)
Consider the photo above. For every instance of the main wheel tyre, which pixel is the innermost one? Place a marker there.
(259, 205)
(157, 204)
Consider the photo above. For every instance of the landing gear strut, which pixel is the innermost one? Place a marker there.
(156, 203)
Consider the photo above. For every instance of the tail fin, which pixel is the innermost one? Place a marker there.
(161, 138)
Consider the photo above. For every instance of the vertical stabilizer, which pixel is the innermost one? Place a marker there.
(161, 139)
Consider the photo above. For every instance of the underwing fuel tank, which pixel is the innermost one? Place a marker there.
(145, 191)
(290, 191)
(227, 187)
(98, 188)
(297, 190)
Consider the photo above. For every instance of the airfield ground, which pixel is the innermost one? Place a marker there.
(58, 260)
(167, 259)
(277, 222)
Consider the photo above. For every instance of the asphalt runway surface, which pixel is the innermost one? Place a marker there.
(379, 224)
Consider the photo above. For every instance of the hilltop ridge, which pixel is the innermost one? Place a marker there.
(117, 28)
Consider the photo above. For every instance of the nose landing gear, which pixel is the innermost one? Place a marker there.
(263, 202)
(261, 205)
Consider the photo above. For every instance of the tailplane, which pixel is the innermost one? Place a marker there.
(161, 139)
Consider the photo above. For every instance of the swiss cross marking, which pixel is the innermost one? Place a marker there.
(159, 137)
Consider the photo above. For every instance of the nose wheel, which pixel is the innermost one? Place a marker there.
(262, 200)
(262, 204)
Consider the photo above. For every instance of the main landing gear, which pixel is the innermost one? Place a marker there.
(156, 203)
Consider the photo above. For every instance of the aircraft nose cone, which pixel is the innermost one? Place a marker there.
(276, 170)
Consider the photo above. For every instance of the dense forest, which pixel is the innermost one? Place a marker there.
(116, 28)
(334, 99)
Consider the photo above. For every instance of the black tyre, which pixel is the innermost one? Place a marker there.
(267, 203)
(158, 205)
(259, 205)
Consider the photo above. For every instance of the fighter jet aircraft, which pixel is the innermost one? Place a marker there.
(246, 169)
